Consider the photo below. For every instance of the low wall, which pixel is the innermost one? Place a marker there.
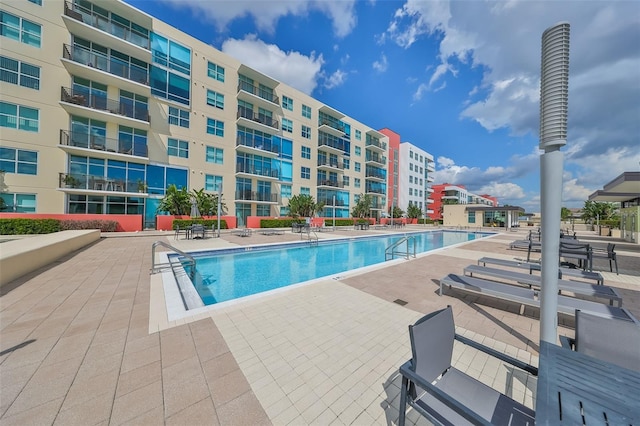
(126, 222)
(165, 222)
(21, 256)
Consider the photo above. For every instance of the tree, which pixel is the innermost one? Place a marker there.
(397, 212)
(413, 211)
(362, 208)
(176, 201)
(303, 205)
(565, 213)
(207, 203)
(594, 210)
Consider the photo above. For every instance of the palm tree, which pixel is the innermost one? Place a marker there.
(303, 205)
(207, 203)
(363, 206)
(413, 211)
(176, 201)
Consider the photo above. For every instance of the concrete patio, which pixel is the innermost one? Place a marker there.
(87, 340)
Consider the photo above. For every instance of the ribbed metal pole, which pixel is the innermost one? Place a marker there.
(554, 90)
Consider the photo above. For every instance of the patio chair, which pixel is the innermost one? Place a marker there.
(607, 254)
(198, 231)
(582, 252)
(446, 395)
(609, 339)
(180, 231)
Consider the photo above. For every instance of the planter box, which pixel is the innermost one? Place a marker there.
(605, 231)
(616, 233)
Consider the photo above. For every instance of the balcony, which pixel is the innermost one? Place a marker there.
(375, 144)
(328, 202)
(99, 185)
(370, 189)
(123, 113)
(372, 157)
(259, 197)
(246, 117)
(82, 62)
(375, 175)
(334, 146)
(331, 183)
(248, 169)
(333, 128)
(108, 146)
(257, 96)
(326, 163)
(378, 206)
(251, 144)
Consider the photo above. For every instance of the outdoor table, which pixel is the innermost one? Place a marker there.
(574, 388)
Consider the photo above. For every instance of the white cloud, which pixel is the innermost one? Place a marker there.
(293, 68)
(381, 65)
(335, 80)
(503, 191)
(266, 13)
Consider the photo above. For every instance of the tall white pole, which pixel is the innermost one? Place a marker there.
(219, 204)
(334, 212)
(554, 88)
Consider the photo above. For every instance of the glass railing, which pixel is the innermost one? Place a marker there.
(102, 103)
(102, 143)
(257, 143)
(376, 142)
(257, 91)
(99, 183)
(380, 159)
(375, 189)
(82, 14)
(329, 182)
(328, 202)
(324, 141)
(106, 63)
(331, 163)
(256, 196)
(259, 171)
(339, 127)
(375, 174)
(259, 118)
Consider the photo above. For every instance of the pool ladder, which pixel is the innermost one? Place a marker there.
(312, 239)
(155, 268)
(391, 251)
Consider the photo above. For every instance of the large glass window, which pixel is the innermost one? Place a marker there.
(178, 117)
(20, 161)
(215, 71)
(215, 127)
(306, 132)
(89, 133)
(170, 54)
(287, 103)
(305, 191)
(215, 99)
(306, 111)
(132, 141)
(94, 92)
(305, 172)
(285, 191)
(178, 148)
(212, 183)
(19, 117)
(19, 203)
(168, 85)
(18, 72)
(16, 28)
(287, 125)
(305, 152)
(214, 155)
(135, 106)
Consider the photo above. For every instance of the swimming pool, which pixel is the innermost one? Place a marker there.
(228, 274)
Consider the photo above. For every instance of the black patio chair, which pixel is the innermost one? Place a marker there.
(609, 253)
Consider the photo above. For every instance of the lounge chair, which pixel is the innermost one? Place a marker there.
(529, 297)
(446, 395)
(580, 251)
(611, 340)
(562, 271)
(609, 253)
(576, 287)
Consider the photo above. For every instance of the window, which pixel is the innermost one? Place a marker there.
(305, 173)
(358, 151)
(131, 141)
(215, 99)
(347, 163)
(214, 155)
(178, 148)
(19, 29)
(471, 217)
(17, 72)
(38, 2)
(411, 154)
(287, 103)
(263, 210)
(132, 105)
(215, 71)
(19, 117)
(306, 132)
(358, 135)
(19, 203)
(287, 125)
(19, 161)
(345, 180)
(305, 191)
(356, 182)
(410, 179)
(170, 54)
(306, 111)
(178, 117)
(215, 127)
(212, 183)
(285, 191)
(411, 166)
(357, 166)
(411, 191)
(305, 152)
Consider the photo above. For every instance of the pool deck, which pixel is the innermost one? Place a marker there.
(87, 339)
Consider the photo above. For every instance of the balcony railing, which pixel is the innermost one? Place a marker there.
(102, 103)
(330, 163)
(257, 143)
(106, 63)
(252, 170)
(377, 206)
(82, 14)
(102, 143)
(376, 143)
(99, 183)
(328, 202)
(259, 118)
(380, 159)
(375, 190)
(376, 175)
(256, 196)
(339, 127)
(261, 93)
(329, 182)
(342, 146)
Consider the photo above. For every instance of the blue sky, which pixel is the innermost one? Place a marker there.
(459, 79)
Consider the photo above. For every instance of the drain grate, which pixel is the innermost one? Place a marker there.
(400, 302)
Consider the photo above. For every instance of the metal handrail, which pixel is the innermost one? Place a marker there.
(390, 252)
(162, 266)
(312, 240)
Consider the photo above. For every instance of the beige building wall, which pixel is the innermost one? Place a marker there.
(457, 215)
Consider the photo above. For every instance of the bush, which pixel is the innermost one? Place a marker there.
(613, 223)
(102, 225)
(21, 226)
(279, 223)
(426, 221)
(183, 223)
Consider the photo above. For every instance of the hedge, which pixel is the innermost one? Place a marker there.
(102, 225)
(23, 226)
(184, 223)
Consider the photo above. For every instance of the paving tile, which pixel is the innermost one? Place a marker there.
(138, 378)
(228, 387)
(243, 410)
(94, 409)
(40, 414)
(182, 393)
(128, 407)
(200, 413)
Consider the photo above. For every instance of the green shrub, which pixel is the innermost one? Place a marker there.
(279, 223)
(426, 221)
(183, 223)
(21, 226)
(102, 225)
(613, 223)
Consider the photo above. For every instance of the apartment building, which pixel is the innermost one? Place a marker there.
(103, 107)
(410, 174)
(456, 194)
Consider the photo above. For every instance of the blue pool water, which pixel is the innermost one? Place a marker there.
(229, 274)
